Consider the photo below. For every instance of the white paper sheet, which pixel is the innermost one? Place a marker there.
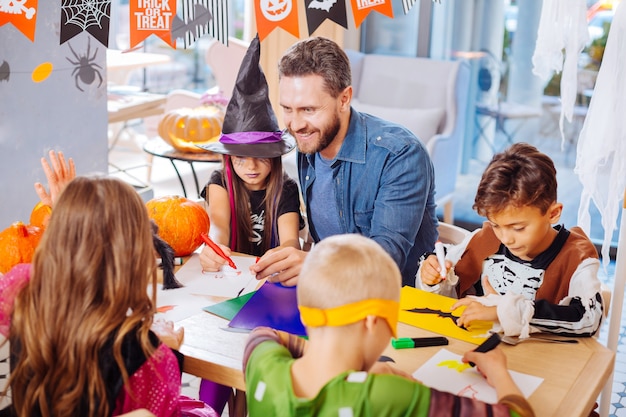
(445, 372)
(201, 289)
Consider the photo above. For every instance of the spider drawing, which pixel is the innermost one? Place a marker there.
(85, 68)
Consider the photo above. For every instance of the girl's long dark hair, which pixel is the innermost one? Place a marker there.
(239, 195)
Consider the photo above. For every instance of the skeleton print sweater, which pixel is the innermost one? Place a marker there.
(557, 292)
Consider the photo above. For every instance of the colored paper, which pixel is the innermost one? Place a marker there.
(432, 312)
(273, 305)
(446, 372)
(152, 17)
(319, 10)
(229, 308)
(189, 28)
(90, 16)
(22, 14)
(362, 8)
(271, 14)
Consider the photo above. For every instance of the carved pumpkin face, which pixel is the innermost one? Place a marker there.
(185, 128)
(17, 245)
(40, 215)
(180, 221)
(275, 10)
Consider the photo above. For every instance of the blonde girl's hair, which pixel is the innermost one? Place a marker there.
(89, 284)
(347, 268)
(241, 224)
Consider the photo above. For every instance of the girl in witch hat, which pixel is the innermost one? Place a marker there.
(253, 205)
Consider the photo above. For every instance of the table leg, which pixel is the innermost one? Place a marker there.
(195, 179)
(240, 408)
(182, 183)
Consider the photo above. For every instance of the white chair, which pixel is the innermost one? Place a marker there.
(225, 62)
(452, 234)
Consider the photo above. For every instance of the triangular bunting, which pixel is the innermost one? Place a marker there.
(407, 5)
(85, 15)
(148, 17)
(23, 15)
(271, 14)
(362, 8)
(201, 17)
(319, 10)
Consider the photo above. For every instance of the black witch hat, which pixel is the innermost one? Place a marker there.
(250, 127)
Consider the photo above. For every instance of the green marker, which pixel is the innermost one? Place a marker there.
(416, 342)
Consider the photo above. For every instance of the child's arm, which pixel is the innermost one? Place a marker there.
(288, 230)
(296, 345)
(492, 365)
(219, 215)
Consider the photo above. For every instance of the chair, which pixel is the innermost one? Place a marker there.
(427, 96)
(225, 62)
(449, 233)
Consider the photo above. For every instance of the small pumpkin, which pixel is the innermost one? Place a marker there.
(40, 215)
(180, 222)
(17, 245)
(186, 127)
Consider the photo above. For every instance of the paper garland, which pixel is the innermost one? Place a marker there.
(92, 16)
(152, 17)
(22, 15)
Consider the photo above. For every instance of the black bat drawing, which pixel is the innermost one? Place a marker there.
(201, 16)
(5, 71)
(322, 4)
(440, 313)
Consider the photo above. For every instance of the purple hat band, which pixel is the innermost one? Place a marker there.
(250, 138)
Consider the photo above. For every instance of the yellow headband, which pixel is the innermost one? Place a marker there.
(351, 313)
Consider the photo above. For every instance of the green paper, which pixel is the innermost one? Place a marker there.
(229, 308)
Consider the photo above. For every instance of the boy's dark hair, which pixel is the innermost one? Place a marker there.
(519, 176)
(318, 56)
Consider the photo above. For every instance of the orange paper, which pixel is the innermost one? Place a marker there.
(149, 17)
(361, 8)
(271, 14)
(433, 312)
(23, 15)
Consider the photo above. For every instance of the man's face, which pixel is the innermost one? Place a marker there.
(310, 113)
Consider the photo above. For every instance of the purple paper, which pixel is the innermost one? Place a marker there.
(273, 305)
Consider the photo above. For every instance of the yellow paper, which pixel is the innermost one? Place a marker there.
(435, 315)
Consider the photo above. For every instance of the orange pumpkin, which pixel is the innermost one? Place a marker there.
(185, 128)
(40, 215)
(17, 245)
(180, 221)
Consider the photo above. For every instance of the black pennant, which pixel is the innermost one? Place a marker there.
(84, 15)
(319, 10)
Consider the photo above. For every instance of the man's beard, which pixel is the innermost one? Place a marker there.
(327, 135)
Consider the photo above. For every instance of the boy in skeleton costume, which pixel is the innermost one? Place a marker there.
(533, 276)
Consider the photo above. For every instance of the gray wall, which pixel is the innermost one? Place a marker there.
(53, 114)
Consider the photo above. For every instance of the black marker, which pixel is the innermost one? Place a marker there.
(416, 342)
(487, 345)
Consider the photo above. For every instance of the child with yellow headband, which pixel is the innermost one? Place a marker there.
(348, 294)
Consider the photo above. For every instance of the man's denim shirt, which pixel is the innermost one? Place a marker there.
(385, 189)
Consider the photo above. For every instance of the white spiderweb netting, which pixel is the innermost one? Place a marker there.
(86, 13)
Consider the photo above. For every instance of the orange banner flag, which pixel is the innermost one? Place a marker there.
(149, 17)
(271, 14)
(22, 14)
(361, 8)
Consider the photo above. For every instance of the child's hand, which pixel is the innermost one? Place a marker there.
(492, 364)
(474, 311)
(165, 330)
(58, 177)
(211, 261)
(430, 273)
(281, 264)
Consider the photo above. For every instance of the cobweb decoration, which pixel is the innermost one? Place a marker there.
(86, 13)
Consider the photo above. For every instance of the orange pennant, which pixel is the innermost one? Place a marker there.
(361, 8)
(23, 15)
(271, 14)
(149, 17)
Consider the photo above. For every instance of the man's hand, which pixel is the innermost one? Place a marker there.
(280, 265)
(61, 173)
(474, 311)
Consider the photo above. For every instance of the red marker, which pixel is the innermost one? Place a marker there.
(217, 249)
